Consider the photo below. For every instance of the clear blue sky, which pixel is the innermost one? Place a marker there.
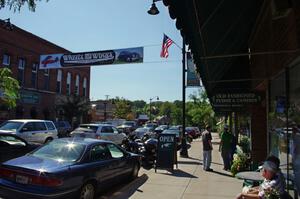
(93, 25)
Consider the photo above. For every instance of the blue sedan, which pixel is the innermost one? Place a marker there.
(67, 168)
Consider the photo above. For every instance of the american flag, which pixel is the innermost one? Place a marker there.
(167, 42)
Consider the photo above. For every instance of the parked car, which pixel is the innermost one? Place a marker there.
(140, 132)
(160, 128)
(99, 131)
(127, 127)
(177, 133)
(63, 128)
(67, 168)
(194, 132)
(12, 146)
(40, 131)
(152, 126)
(127, 56)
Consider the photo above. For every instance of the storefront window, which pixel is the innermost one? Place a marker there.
(294, 118)
(277, 120)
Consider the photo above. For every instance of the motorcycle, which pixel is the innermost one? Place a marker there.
(148, 150)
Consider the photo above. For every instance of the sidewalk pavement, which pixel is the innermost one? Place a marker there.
(189, 181)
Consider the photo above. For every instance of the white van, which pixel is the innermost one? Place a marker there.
(39, 131)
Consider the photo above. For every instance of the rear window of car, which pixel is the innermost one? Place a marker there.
(94, 128)
(62, 151)
(50, 126)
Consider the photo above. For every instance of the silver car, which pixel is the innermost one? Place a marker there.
(39, 131)
(99, 131)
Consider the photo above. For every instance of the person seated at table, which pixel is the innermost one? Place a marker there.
(273, 179)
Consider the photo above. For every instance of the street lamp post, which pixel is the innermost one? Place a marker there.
(105, 106)
(150, 114)
(184, 151)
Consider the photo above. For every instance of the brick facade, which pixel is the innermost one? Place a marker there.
(20, 44)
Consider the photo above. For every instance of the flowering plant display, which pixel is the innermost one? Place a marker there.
(271, 193)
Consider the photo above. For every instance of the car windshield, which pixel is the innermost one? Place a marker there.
(12, 126)
(62, 151)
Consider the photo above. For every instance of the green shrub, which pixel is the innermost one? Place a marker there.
(245, 144)
(240, 161)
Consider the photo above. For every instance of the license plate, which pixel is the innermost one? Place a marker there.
(21, 179)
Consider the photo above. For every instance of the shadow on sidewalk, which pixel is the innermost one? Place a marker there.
(216, 163)
(223, 174)
(194, 158)
(126, 190)
(179, 173)
(189, 162)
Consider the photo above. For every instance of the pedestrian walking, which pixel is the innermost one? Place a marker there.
(207, 148)
(226, 147)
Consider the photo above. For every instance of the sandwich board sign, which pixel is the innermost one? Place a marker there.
(166, 151)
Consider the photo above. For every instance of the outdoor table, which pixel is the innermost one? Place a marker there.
(253, 178)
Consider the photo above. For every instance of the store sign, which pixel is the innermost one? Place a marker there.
(119, 56)
(193, 79)
(235, 100)
(28, 97)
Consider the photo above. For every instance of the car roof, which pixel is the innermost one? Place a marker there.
(28, 120)
(93, 124)
(86, 141)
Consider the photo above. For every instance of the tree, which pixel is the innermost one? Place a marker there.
(9, 88)
(199, 110)
(123, 108)
(75, 107)
(17, 4)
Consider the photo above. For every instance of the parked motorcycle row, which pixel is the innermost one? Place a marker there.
(146, 144)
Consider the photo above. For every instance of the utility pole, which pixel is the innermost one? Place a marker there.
(105, 104)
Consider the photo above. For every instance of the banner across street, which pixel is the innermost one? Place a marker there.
(119, 56)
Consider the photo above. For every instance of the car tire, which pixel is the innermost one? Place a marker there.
(48, 140)
(135, 171)
(87, 191)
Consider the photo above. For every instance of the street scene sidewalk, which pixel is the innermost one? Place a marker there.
(188, 181)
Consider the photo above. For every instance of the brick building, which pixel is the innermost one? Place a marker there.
(42, 91)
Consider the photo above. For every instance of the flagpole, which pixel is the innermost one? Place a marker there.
(177, 45)
(183, 152)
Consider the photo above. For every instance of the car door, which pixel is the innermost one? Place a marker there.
(40, 133)
(26, 131)
(101, 164)
(122, 164)
(52, 131)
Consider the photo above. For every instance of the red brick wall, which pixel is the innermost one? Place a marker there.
(21, 44)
